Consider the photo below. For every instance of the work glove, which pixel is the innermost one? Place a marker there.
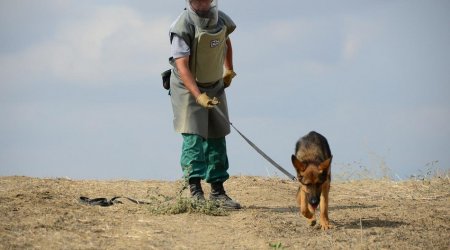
(227, 77)
(205, 101)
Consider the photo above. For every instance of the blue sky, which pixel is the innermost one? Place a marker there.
(80, 91)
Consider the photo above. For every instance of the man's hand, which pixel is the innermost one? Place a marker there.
(227, 77)
(205, 101)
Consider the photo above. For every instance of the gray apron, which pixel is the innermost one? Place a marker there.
(191, 118)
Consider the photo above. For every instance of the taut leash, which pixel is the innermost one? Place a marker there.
(256, 147)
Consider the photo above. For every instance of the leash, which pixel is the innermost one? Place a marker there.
(256, 147)
(106, 203)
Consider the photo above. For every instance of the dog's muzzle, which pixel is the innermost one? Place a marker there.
(314, 202)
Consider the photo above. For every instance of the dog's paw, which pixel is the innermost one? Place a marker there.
(325, 225)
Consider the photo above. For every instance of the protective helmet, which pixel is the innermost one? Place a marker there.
(203, 13)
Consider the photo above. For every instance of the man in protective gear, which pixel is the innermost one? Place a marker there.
(202, 61)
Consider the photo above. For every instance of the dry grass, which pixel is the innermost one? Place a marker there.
(365, 214)
(178, 203)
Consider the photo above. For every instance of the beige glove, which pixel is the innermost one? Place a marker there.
(227, 77)
(205, 101)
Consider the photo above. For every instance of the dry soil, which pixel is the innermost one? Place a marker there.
(365, 214)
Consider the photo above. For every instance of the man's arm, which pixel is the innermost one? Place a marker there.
(229, 73)
(182, 64)
(229, 56)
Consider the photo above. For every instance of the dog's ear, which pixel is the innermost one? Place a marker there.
(325, 166)
(298, 165)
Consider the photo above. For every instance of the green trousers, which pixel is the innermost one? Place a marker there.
(204, 158)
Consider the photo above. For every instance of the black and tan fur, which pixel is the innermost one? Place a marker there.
(312, 161)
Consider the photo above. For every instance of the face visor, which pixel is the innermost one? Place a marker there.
(203, 13)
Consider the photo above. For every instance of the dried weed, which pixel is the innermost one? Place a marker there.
(177, 204)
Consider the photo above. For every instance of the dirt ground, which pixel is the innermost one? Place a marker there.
(366, 214)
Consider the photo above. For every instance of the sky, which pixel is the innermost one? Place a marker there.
(81, 95)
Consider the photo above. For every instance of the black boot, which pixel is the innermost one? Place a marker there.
(218, 194)
(195, 187)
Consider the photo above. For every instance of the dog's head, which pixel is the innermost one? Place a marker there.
(312, 177)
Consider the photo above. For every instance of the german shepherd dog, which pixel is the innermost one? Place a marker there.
(312, 161)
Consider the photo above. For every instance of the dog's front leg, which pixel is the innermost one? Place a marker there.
(303, 203)
(324, 221)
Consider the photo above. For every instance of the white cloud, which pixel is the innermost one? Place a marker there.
(314, 45)
(351, 47)
(360, 32)
(110, 43)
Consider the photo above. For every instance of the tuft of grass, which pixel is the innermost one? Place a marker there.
(352, 171)
(187, 205)
(163, 204)
(357, 170)
(431, 171)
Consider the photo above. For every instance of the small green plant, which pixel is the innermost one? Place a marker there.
(277, 245)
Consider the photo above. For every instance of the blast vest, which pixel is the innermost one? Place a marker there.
(207, 56)
(208, 47)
